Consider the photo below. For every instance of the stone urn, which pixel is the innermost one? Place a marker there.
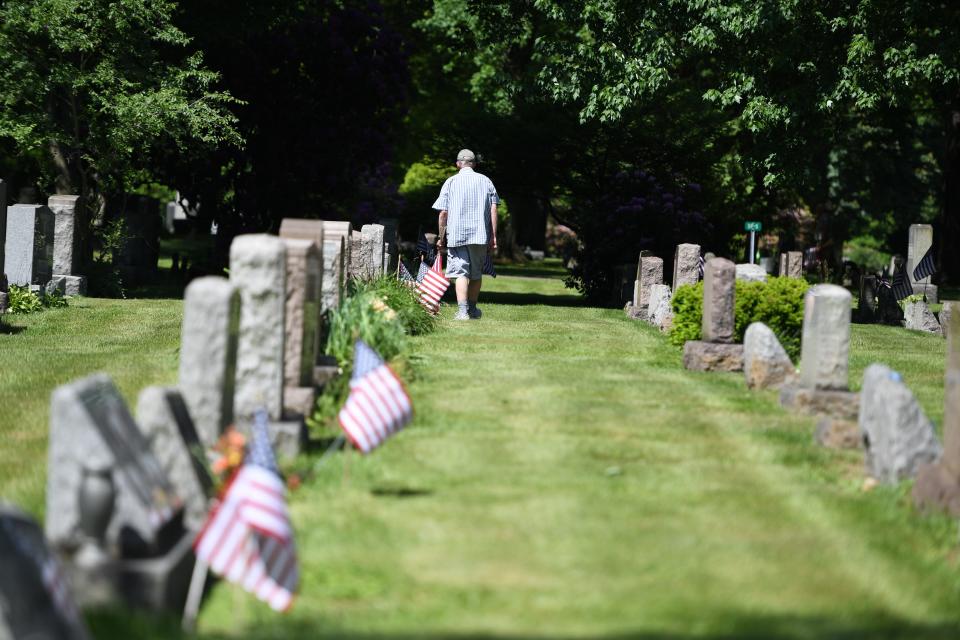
(95, 501)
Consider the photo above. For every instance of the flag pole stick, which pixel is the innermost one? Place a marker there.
(194, 595)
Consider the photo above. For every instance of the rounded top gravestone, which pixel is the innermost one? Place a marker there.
(826, 337)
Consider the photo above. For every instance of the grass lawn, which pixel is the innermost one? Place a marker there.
(564, 477)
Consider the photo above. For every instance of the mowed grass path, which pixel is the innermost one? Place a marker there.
(564, 477)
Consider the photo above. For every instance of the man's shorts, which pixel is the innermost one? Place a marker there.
(466, 261)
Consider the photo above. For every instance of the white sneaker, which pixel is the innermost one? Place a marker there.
(462, 315)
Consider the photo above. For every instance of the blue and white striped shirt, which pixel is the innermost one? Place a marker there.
(467, 197)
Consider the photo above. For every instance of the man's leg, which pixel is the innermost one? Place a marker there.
(473, 291)
(464, 287)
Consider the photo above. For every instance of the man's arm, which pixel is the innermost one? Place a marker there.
(492, 243)
(442, 225)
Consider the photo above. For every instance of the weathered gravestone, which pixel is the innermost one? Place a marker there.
(165, 422)
(822, 389)
(359, 260)
(36, 599)
(918, 317)
(920, 241)
(28, 250)
(898, 436)
(659, 309)
(208, 354)
(766, 364)
(111, 510)
(649, 273)
(716, 351)
(3, 223)
(335, 275)
(304, 277)
(686, 265)
(258, 267)
(751, 273)
(946, 312)
(65, 245)
(938, 484)
(372, 244)
(791, 264)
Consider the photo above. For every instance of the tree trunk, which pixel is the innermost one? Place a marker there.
(949, 235)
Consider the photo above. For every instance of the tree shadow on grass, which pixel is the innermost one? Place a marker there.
(505, 297)
(10, 329)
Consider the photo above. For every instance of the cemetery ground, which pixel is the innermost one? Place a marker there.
(564, 477)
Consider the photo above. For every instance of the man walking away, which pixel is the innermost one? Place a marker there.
(468, 202)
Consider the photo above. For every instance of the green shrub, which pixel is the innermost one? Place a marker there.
(778, 303)
(367, 316)
(687, 314)
(402, 299)
(22, 300)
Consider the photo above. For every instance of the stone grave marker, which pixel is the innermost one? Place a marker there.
(898, 436)
(93, 437)
(686, 265)
(791, 264)
(36, 598)
(751, 273)
(372, 243)
(208, 354)
(938, 484)
(946, 312)
(165, 422)
(766, 364)
(659, 309)
(917, 316)
(359, 259)
(716, 351)
(649, 273)
(65, 245)
(3, 223)
(867, 305)
(28, 250)
(822, 389)
(258, 268)
(920, 241)
(304, 278)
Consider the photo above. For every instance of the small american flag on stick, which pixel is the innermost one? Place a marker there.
(433, 286)
(378, 405)
(488, 269)
(901, 284)
(405, 276)
(925, 267)
(422, 271)
(248, 538)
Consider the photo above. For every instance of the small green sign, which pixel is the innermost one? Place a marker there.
(752, 226)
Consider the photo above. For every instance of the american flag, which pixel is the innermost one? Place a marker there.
(488, 269)
(422, 271)
(901, 284)
(248, 538)
(405, 276)
(378, 406)
(51, 575)
(425, 248)
(433, 286)
(925, 267)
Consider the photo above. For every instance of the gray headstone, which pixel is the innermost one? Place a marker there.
(946, 312)
(208, 354)
(659, 309)
(791, 264)
(258, 267)
(3, 222)
(36, 599)
(304, 281)
(686, 265)
(65, 236)
(898, 436)
(649, 273)
(751, 273)
(765, 363)
(28, 250)
(333, 274)
(359, 259)
(917, 316)
(165, 422)
(332, 230)
(719, 278)
(826, 337)
(372, 235)
(920, 241)
(91, 433)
